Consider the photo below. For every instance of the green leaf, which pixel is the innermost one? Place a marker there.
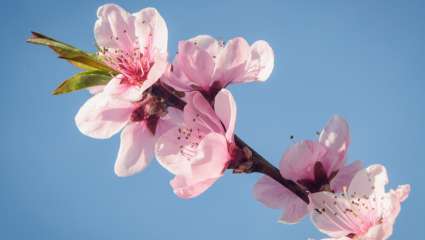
(83, 80)
(77, 57)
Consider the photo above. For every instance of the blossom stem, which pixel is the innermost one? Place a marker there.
(261, 165)
(257, 163)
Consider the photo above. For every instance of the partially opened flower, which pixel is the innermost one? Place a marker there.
(198, 151)
(364, 211)
(315, 165)
(207, 65)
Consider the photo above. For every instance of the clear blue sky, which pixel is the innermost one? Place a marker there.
(364, 60)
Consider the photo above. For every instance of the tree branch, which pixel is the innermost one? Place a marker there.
(261, 165)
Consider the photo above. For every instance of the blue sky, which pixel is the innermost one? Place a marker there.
(364, 60)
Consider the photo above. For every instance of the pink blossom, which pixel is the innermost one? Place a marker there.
(104, 115)
(135, 45)
(315, 165)
(364, 211)
(207, 65)
(198, 151)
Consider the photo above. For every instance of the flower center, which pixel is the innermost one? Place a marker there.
(134, 64)
(321, 181)
(188, 139)
(129, 57)
(356, 212)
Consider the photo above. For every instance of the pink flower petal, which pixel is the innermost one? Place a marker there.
(207, 43)
(390, 212)
(196, 63)
(274, 195)
(262, 58)
(298, 161)
(207, 165)
(186, 187)
(370, 180)
(155, 72)
(119, 89)
(260, 64)
(136, 149)
(175, 77)
(115, 86)
(270, 193)
(225, 108)
(345, 175)
(114, 27)
(173, 118)
(402, 192)
(212, 158)
(168, 151)
(328, 216)
(378, 232)
(151, 30)
(336, 136)
(393, 208)
(103, 116)
(232, 61)
(295, 210)
(198, 111)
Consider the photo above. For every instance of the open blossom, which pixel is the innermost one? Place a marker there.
(364, 211)
(198, 150)
(315, 166)
(135, 46)
(207, 65)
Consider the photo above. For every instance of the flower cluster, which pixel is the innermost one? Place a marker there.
(181, 113)
(345, 200)
(194, 143)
